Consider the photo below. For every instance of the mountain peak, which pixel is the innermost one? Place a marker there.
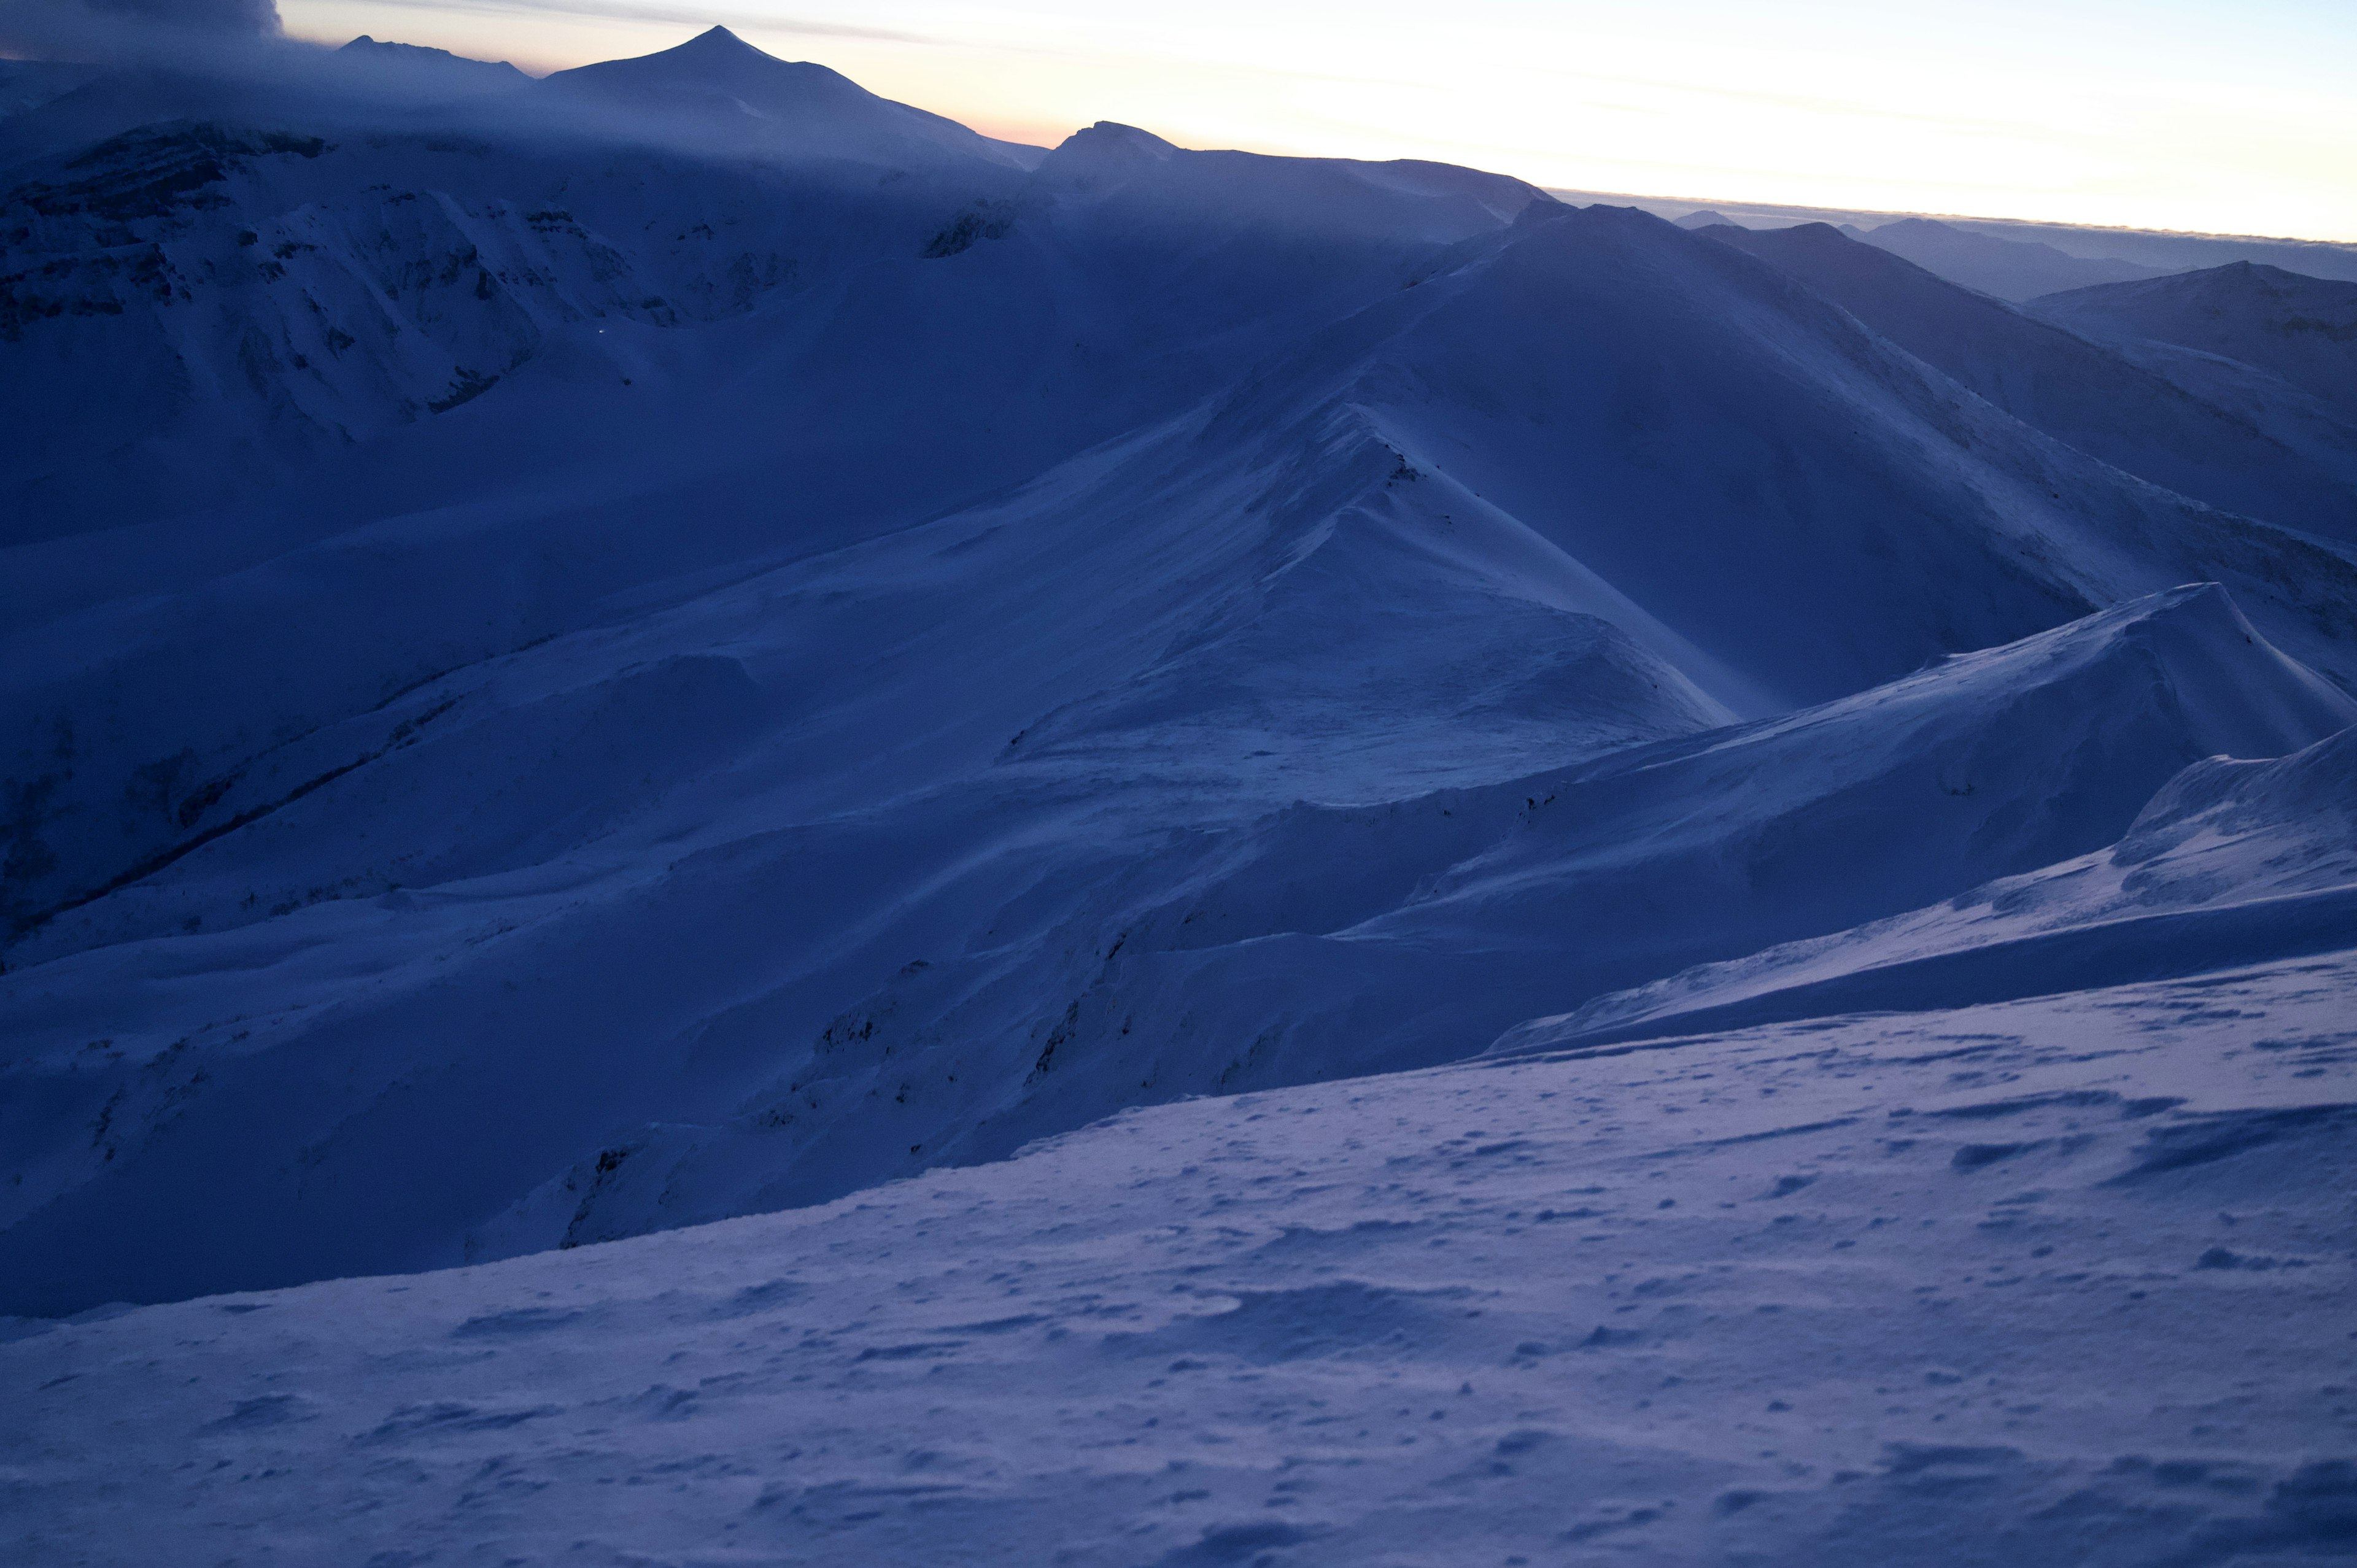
(1111, 138)
(718, 51)
(1104, 155)
(715, 39)
(714, 60)
(718, 89)
(415, 56)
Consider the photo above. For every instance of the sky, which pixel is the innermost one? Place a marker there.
(2235, 117)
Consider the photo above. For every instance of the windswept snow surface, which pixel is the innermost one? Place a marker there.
(2062, 1282)
(596, 657)
(2232, 860)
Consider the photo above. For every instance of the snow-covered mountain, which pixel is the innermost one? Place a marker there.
(587, 657)
(2154, 252)
(2301, 330)
(2274, 457)
(721, 94)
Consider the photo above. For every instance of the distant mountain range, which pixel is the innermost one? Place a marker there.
(2012, 258)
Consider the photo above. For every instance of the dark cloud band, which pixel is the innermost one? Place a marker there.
(211, 16)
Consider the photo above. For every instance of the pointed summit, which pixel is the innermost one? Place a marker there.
(715, 57)
(716, 42)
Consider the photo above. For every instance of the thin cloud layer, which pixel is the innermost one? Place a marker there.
(129, 29)
(223, 16)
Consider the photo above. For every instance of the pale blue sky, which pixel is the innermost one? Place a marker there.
(2165, 114)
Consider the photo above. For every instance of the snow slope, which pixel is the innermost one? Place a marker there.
(2061, 1282)
(2231, 861)
(1093, 921)
(1155, 623)
(244, 298)
(2237, 456)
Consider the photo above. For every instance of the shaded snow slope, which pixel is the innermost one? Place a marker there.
(244, 303)
(256, 287)
(2301, 330)
(2098, 400)
(604, 777)
(1737, 457)
(268, 279)
(2055, 1284)
(1157, 623)
(2231, 861)
(2009, 269)
(1563, 884)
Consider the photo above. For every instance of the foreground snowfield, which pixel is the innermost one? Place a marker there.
(2063, 1280)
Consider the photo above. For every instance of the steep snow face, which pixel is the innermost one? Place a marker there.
(433, 69)
(244, 302)
(254, 301)
(683, 451)
(2052, 1283)
(1740, 460)
(2226, 450)
(2301, 330)
(253, 276)
(2009, 269)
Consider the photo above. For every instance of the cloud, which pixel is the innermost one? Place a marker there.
(207, 15)
(152, 31)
